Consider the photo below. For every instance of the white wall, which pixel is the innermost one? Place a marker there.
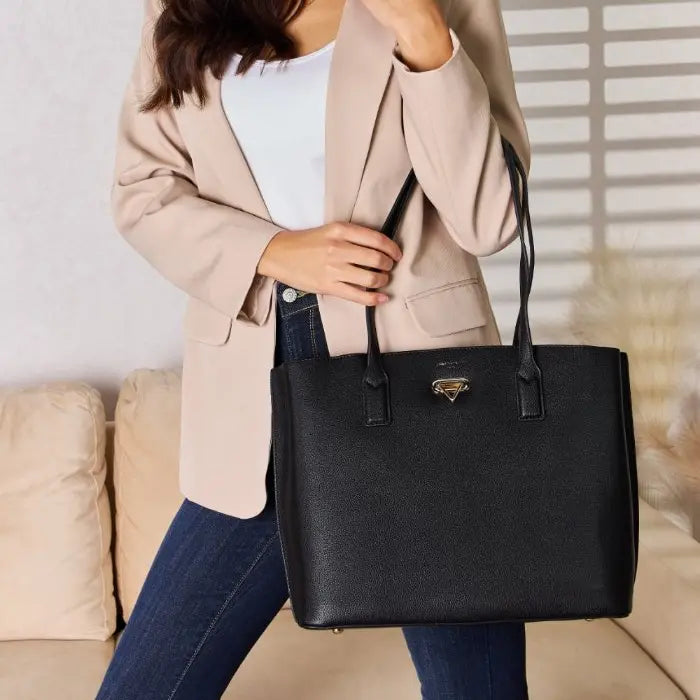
(75, 301)
(612, 98)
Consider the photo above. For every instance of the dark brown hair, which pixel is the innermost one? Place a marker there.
(192, 35)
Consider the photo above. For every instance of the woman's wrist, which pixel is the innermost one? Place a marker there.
(267, 264)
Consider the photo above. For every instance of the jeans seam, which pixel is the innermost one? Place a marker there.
(218, 615)
(288, 340)
(287, 314)
(488, 658)
(313, 334)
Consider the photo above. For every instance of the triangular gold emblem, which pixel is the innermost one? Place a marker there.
(451, 388)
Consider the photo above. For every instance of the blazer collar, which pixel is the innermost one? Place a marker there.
(359, 73)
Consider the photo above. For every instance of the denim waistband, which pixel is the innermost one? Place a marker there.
(302, 302)
(300, 333)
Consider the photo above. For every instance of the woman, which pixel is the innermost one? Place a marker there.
(260, 146)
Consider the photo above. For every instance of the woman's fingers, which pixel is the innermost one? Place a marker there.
(363, 259)
(352, 274)
(366, 257)
(368, 238)
(343, 259)
(357, 294)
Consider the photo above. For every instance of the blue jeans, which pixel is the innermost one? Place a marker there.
(218, 581)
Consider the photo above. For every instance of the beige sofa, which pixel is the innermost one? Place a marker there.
(652, 655)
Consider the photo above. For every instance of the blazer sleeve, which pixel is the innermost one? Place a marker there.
(207, 249)
(454, 117)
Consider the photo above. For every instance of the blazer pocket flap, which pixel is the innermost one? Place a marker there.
(206, 324)
(451, 308)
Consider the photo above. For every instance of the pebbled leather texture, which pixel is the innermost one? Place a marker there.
(455, 512)
(516, 501)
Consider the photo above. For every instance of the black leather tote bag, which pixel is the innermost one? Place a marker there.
(459, 485)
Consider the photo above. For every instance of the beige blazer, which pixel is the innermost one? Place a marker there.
(185, 199)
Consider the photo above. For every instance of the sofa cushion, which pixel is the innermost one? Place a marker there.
(147, 495)
(665, 617)
(55, 526)
(147, 492)
(53, 670)
(597, 660)
(566, 660)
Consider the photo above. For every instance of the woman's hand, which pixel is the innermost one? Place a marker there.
(421, 30)
(332, 259)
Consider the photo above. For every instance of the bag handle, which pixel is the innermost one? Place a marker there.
(528, 375)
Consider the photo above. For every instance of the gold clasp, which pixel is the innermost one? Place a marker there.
(451, 388)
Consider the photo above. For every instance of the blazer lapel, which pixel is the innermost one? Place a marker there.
(359, 73)
(220, 146)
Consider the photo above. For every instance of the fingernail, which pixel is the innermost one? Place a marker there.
(383, 298)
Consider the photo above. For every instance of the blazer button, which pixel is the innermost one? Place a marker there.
(289, 295)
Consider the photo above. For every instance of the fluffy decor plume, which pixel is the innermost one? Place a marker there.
(652, 311)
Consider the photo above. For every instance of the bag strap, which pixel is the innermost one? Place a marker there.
(375, 372)
(528, 374)
(517, 174)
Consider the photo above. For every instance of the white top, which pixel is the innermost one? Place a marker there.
(278, 116)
